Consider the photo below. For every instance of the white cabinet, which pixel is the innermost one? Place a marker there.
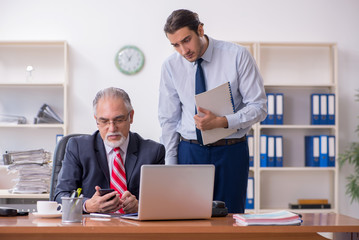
(297, 70)
(23, 92)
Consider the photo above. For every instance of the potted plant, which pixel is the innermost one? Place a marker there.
(351, 156)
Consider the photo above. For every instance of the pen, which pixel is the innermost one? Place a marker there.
(73, 194)
(77, 201)
(79, 190)
(100, 215)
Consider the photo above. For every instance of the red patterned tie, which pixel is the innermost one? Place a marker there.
(118, 175)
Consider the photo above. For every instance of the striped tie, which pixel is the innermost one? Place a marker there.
(118, 175)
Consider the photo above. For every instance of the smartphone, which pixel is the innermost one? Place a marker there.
(104, 191)
(22, 213)
(5, 211)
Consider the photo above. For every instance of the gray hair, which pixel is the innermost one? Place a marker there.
(114, 93)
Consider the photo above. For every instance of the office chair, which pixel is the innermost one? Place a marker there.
(57, 162)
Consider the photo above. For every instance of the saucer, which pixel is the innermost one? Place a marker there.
(47, 215)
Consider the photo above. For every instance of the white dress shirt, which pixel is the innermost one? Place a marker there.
(222, 62)
(110, 153)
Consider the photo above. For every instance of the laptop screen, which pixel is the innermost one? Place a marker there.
(176, 192)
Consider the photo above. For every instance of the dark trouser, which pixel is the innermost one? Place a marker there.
(231, 175)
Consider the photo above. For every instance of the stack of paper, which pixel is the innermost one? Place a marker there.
(47, 115)
(272, 218)
(38, 156)
(34, 171)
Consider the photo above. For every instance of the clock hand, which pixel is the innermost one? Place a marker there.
(128, 58)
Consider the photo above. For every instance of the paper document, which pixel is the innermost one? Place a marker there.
(219, 101)
(272, 218)
(33, 169)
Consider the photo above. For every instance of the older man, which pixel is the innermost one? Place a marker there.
(110, 158)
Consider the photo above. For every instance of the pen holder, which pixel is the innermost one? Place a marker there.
(71, 209)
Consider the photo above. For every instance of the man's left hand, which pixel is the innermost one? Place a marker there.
(129, 202)
(206, 120)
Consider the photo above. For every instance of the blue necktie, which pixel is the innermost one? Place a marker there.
(200, 88)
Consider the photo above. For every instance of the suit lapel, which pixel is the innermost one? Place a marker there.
(101, 156)
(131, 156)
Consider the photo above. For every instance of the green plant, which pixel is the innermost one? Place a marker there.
(351, 156)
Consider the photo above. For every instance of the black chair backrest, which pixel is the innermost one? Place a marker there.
(57, 162)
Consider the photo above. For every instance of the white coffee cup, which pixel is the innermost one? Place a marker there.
(48, 207)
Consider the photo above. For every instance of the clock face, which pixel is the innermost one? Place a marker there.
(129, 60)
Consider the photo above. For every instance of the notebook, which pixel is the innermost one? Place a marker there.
(169, 192)
(219, 101)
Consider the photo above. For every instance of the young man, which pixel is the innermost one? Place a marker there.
(110, 158)
(219, 62)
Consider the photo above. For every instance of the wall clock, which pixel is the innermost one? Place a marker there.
(130, 60)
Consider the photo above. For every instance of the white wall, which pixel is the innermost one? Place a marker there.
(96, 30)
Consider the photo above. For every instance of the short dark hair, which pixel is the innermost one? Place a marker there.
(182, 18)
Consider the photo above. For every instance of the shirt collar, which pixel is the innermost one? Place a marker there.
(207, 55)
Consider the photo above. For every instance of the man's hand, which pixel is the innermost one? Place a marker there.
(102, 204)
(129, 202)
(206, 120)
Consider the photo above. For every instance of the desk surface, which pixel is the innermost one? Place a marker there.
(29, 227)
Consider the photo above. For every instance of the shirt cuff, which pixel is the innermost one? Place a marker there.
(171, 161)
(231, 119)
(84, 207)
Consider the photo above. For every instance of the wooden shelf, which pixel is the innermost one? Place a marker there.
(264, 126)
(50, 125)
(4, 193)
(296, 169)
(31, 84)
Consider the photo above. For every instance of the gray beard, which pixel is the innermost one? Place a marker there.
(117, 143)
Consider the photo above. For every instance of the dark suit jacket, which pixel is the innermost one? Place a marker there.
(85, 164)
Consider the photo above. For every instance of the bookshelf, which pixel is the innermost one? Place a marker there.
(23, 92)
(297, 70)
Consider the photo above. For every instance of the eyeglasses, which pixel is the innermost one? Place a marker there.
(116, 122)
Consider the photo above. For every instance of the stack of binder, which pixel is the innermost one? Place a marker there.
(47, 115)
(322, 109)
(310, 204)
(33, 168)
(274, 109)
(271, 151)
(320, 151)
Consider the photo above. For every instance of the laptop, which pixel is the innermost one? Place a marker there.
(169, 192)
